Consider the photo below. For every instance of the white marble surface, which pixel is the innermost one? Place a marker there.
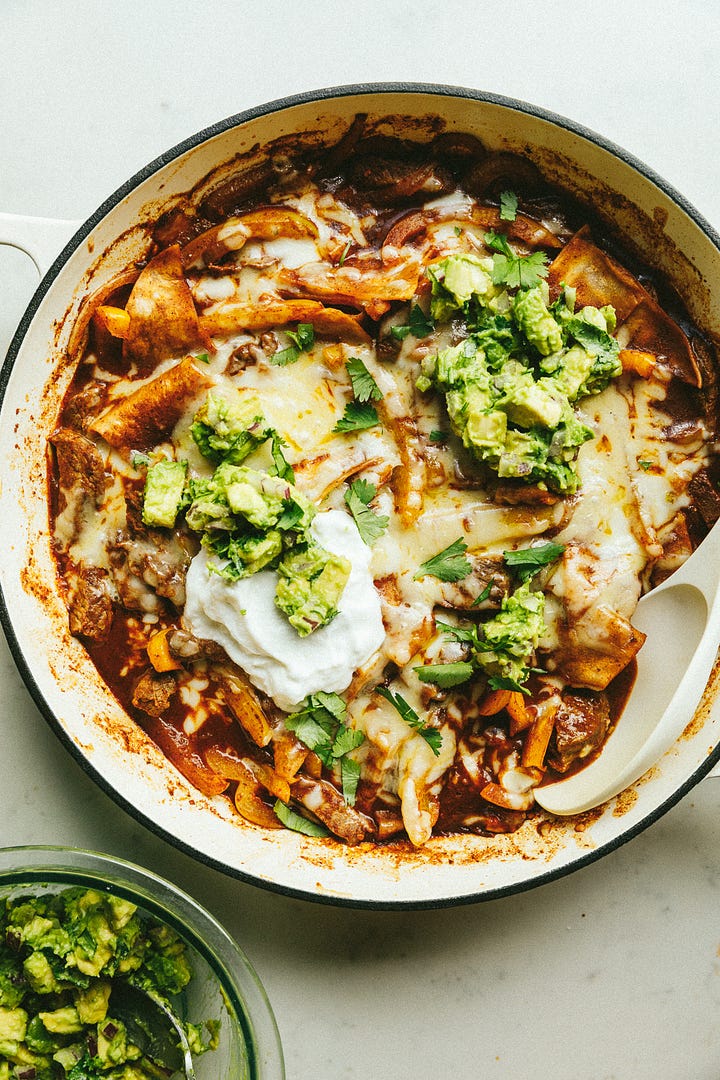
(610, 974)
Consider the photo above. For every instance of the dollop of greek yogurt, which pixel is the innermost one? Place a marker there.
(242, 617)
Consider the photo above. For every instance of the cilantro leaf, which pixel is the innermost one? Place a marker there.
(516, 271)
(291, 515)
(282, 466)
(364, 386)
(350, 776)
(311, 732)
(431, 735)
(433, 738)
(467, 634)
(369, 524)
(303, 337)
(302, 340)
(331, 702)
(449, 564)
(527, 561)
(498, 682)
(358, 416)
(508, 205)
(320, 724)
(446, 675)
(296, 822)
(419, 325)
(484, 595)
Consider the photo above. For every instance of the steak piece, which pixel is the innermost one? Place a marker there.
(581, 724)
(81, 468)
(90, 606)
(154, 691)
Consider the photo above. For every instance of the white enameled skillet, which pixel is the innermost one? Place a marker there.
(667, 232)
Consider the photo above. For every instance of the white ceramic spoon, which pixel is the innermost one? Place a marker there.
(681, 618)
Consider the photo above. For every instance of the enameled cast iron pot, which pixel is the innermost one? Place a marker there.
(671, 236)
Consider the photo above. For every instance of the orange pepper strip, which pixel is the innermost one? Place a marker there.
(497, 795)
(289, 755)
(227, 764)
(159, 653)
(520, 715)
(248, 802)
(538, 737)
(245, 705)
(113, 319)
(638, 362)
(494, 702)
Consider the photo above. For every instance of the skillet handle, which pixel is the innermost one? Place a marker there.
(42, 239)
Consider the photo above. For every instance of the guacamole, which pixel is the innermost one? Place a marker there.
(62, 959)
(511, 385)
(251, 519)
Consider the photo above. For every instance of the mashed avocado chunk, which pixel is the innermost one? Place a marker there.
(62, 956)
(164, 490)
(456, 280)
(511, 637)
(510, 387)
(310, 584)
(229, 430)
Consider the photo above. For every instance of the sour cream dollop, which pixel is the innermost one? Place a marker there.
(242, 617)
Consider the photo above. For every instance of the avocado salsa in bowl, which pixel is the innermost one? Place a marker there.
(94, 956)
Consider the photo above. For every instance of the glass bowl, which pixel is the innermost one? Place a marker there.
(224, 984)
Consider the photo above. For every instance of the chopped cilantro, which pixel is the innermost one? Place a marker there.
(484, 595)
(296, 822)
(419, 325)
(438, 436)
(282, 466)
(446, 675)
(527, 561)
(358, 416)
(350, 776)
(449, 564)
(498, 682)
(369, 524)
(508, 205)
(302, 340)
(516, 271)
(364, 386)
(431, 735)
(320, 724)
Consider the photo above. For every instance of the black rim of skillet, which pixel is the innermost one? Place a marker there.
(328, 94)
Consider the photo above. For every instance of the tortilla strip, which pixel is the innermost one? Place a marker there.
(163, 319)
(229, 318)
(350, 285)
(150, 412)
(267, 223)
(420, 222)
(600, 280)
